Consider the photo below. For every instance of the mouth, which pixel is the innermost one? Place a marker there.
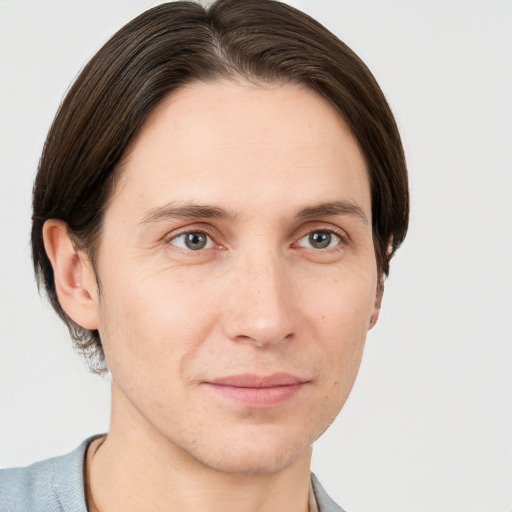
(258, 391)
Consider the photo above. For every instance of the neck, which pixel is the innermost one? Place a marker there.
(136, 468)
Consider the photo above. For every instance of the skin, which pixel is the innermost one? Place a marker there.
(274, 169)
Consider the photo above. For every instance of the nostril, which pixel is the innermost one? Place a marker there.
(262, 340)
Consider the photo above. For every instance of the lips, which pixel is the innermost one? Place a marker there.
(258, 391)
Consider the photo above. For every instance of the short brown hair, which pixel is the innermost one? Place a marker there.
(176, 43)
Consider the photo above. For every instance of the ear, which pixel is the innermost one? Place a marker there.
(380, 288)
(378, 301)
(75, 281)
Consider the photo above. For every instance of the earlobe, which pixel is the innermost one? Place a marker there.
(75, 282)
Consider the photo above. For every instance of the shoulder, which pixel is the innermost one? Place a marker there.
(323, 500)
(52, 485)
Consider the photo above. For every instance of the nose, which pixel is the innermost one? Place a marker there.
(260, 302)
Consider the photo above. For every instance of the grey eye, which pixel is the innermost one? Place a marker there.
(320, 240)
(192, 240)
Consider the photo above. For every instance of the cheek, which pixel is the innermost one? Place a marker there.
(149, 325)
(340, 317)
(343, 305)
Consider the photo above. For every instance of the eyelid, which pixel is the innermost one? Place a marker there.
(311, 227)
(209, 241)
(193, 228)
(334, 238)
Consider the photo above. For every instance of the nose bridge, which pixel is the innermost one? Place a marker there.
(261, 308)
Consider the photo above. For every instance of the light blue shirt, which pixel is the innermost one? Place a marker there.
(57, 485)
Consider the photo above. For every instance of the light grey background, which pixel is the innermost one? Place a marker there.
(429, 424)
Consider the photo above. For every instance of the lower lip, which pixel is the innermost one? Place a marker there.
(258, 397)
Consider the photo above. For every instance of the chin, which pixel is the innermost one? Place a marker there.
(263, 453)
(249, 462)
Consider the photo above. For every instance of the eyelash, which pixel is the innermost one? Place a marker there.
(343, 239)
(341, 235)
(203, 230)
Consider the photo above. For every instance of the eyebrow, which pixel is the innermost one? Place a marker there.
(172, 211)
(333, 208)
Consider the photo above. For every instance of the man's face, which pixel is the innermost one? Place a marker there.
(237, 273)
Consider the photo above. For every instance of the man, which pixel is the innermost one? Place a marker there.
(214, 214)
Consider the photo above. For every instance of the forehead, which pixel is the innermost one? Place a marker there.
(225, 141)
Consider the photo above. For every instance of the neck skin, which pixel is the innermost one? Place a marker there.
(135, 468)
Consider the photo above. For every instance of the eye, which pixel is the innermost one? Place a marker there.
(320, 239)
(192, 241)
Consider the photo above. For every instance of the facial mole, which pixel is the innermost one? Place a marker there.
(248, 414)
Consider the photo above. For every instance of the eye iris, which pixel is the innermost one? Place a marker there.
(195, 241)
(320, 239)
